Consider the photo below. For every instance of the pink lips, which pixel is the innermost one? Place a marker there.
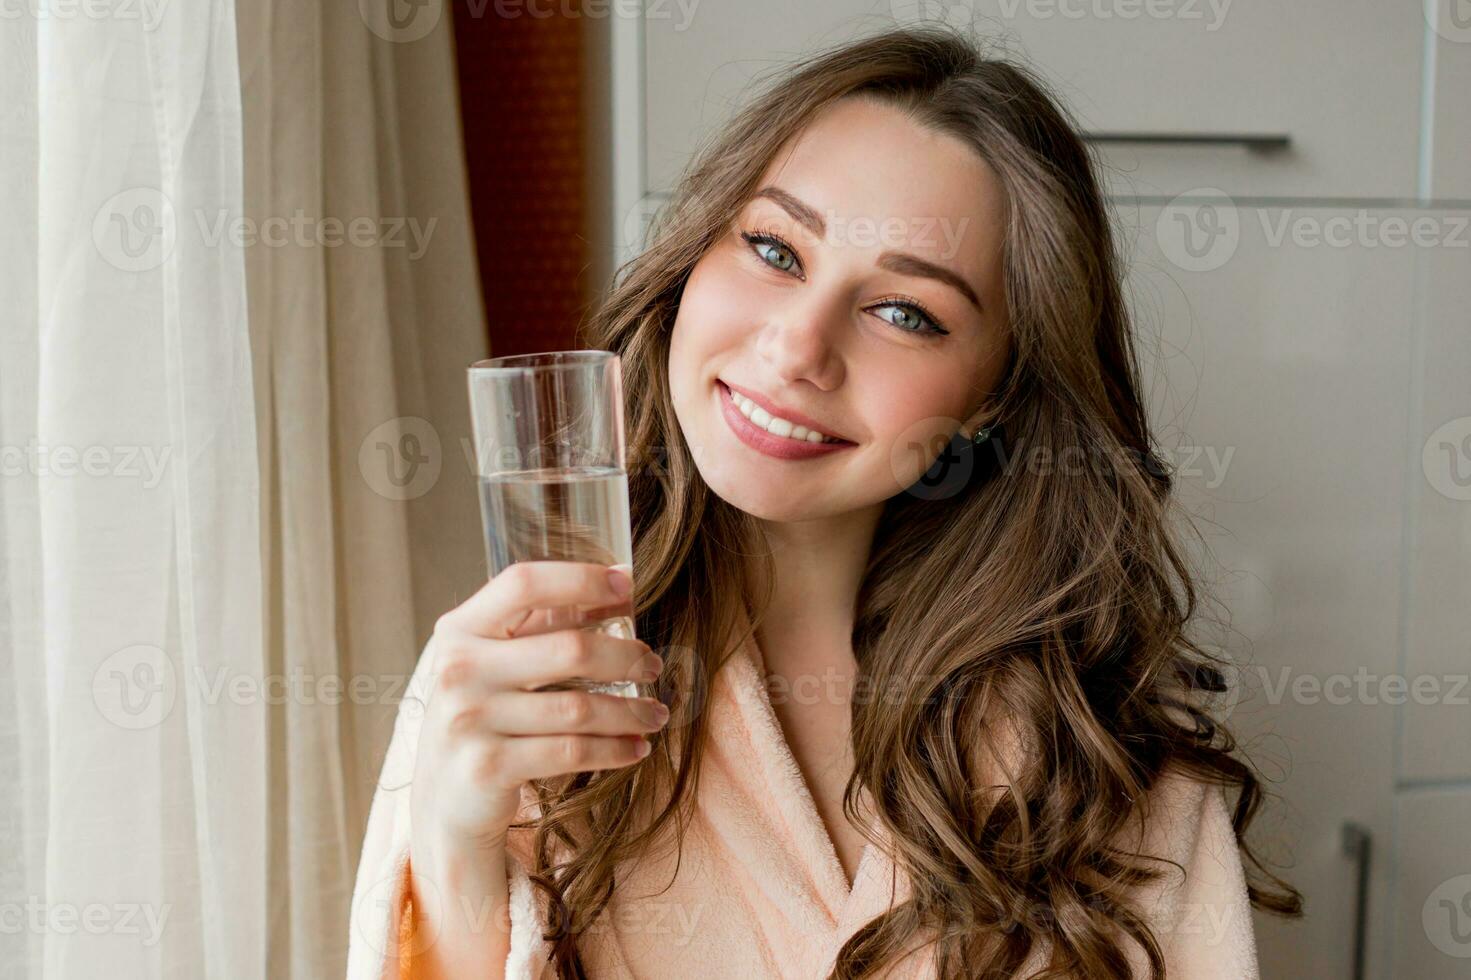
(764, 442)
(791, 415)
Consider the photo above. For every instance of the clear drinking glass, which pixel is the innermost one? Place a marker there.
(549, 450)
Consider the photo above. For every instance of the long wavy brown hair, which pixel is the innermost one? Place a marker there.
(1055, 595)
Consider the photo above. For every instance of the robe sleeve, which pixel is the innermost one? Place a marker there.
(383, 943)
(1201, 919)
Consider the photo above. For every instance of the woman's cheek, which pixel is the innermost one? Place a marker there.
(730, 302)
(914, 434)
(713, 310)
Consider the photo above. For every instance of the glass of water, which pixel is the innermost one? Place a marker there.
(550, 455)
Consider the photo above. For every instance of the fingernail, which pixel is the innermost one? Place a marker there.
(661, 713)
(643, 748)
(620, 580)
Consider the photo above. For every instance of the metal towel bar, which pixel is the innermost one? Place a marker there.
(1256, 142)
(1358, 844)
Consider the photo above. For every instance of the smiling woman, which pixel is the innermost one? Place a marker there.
(1008, 769)
(802, 313)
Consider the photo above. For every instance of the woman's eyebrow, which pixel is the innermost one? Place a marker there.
(805, 216)
(904, 263)
(912, 265)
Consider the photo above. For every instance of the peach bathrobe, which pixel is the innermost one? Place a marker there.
(760, 892)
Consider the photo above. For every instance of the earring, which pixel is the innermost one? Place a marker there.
(982, 435)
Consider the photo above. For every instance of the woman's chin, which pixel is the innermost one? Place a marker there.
(766, 503)
(780, 502)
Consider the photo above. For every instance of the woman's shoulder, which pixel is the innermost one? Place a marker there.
(1177, 818)
(1182, 818)
(1198, 907)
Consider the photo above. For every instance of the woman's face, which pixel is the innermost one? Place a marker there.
(860, 289)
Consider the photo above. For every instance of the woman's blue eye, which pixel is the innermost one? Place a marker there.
(915, 321)
(764, 245)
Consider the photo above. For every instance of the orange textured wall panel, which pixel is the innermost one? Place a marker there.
(521, 100)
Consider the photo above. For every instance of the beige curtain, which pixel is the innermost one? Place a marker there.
(361, 326)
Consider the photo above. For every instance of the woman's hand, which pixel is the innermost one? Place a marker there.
(486, 732)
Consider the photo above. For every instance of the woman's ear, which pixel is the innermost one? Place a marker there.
(972, 425)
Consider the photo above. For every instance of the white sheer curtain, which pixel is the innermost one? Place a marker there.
(370, 511)
(201, 551)
(130, 498)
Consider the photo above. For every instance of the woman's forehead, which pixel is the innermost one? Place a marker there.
(866, 173)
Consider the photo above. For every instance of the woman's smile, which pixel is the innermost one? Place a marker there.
(771, 434)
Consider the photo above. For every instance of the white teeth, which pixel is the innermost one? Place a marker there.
(775, 425)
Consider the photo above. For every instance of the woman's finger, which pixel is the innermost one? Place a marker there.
(529, 662)
(525, 757)
(571, 711)
(504, 604)
(553, 658)
(539, 621)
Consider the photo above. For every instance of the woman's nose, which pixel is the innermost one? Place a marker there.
(803, 341)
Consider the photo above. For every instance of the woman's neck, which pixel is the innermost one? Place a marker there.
(818, 567)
